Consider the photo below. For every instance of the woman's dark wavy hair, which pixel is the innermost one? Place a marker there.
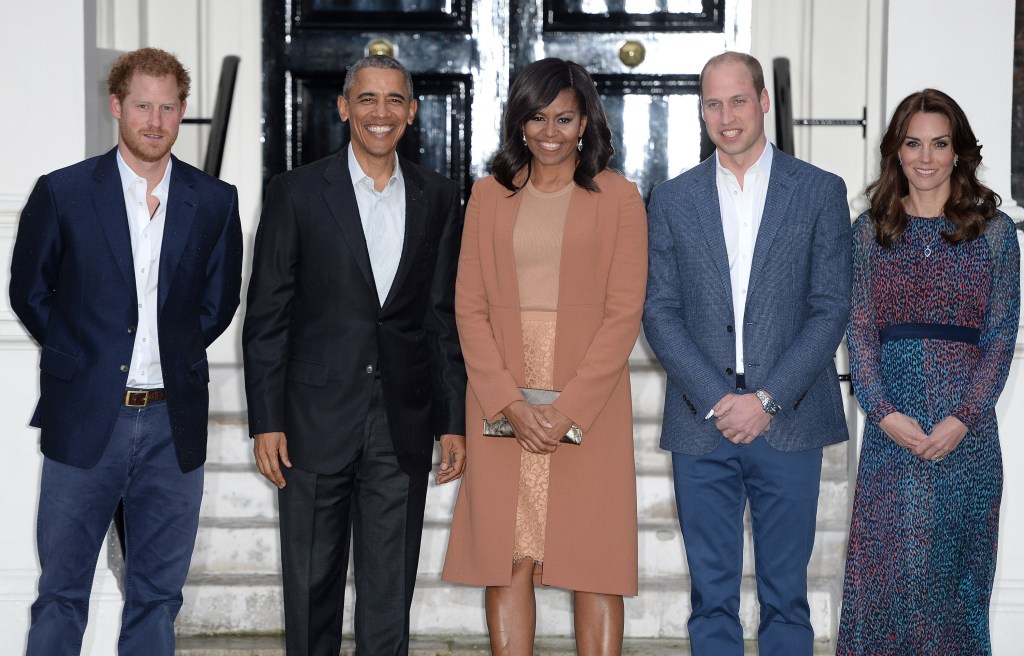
(970, 204)
(535, 88)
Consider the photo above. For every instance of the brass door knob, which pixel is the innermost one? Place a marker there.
(632, 53)
(381, 47)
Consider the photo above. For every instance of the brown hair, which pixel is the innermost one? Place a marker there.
(536, 87)
(970, 204)
(147, 61)
(754, 66)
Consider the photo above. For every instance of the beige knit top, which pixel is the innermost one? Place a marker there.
(537, 243)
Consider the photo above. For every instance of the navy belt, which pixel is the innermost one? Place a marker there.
(930, 331)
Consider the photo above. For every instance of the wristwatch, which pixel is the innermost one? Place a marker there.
(770, 405)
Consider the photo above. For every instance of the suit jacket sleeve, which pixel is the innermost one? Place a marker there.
(585, 394)
(814, 346)
(664, 325)
(223, 276)
(491, 381)
(35, 263)
(268, 307)
(449, 370)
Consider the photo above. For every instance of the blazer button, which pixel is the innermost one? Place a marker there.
(123, 368)
(131, 329)
(369, 368)
(728, 328)
(728, 371)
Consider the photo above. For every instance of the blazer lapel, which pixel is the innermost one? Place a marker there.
(341, 201)
(182, 201)
(776, 204)
(108, 202)
(415, 218)
(709, 215)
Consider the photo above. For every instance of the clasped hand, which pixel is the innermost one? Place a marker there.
(741, 418)
(538, 428)
(905, 431)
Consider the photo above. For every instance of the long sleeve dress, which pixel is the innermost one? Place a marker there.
(931, 335)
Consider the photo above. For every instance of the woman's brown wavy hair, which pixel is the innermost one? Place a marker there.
(535, 88)
(970, 204)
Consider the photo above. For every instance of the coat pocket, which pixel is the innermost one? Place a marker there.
(202, 370)
(310, 373)
(57, 364)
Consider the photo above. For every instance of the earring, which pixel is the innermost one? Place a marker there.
(524, 136)
(579, 145)
(956, 160)
(900, 160)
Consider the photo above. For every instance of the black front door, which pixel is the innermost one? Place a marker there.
(645, 56)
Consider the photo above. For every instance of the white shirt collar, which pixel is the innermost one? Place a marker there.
(763, 163)
(358, 175)
(128, 176)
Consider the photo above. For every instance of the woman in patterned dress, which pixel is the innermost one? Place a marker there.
(935, 312)
(549, 295)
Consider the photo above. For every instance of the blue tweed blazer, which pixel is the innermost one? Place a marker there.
(797, 308)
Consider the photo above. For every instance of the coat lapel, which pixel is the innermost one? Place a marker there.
(341, 200)
(108, 202)
(776, 205)
(182, 202)
(415, 218)
(709, 215)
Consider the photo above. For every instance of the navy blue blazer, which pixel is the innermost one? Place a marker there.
(73, 287)
(797, 308)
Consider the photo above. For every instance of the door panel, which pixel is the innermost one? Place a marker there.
(463, 55)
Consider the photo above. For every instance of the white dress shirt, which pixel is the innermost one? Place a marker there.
(147, 234)
(382, 214)
(741, 217)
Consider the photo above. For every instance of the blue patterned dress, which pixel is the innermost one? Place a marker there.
(922, 550)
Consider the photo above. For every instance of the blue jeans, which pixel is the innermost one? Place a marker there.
(161, 519)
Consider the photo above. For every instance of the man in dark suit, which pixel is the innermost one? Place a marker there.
(748, 297)
(126, 267)
(353, 366)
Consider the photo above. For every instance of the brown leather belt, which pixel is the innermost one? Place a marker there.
(141, 398)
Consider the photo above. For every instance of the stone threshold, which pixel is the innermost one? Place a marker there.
(440, 646)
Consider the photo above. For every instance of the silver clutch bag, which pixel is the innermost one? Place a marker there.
(503, 428)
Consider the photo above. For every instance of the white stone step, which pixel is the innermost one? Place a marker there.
(446, 645)
(252, 604)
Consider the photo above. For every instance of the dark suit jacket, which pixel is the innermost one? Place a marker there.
(73, 286)
(798, 303)
(316, 335)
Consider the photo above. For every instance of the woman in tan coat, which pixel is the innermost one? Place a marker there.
(549, 295)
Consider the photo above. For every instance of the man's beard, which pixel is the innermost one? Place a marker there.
(141, 149)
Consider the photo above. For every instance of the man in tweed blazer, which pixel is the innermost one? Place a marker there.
(748, 297)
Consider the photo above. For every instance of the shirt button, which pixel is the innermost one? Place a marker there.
(123, 368)
(369, 368)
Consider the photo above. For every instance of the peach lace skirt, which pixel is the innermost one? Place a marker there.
(534, 469)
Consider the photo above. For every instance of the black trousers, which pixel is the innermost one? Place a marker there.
(380, 507)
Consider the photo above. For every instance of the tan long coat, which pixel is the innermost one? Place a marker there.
(591, 533)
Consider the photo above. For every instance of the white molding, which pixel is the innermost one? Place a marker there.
(11, 205)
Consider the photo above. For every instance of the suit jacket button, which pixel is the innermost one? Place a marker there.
(728, 328)
(131, 329)
(124, 368)
(369, 368)
(728, 371)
